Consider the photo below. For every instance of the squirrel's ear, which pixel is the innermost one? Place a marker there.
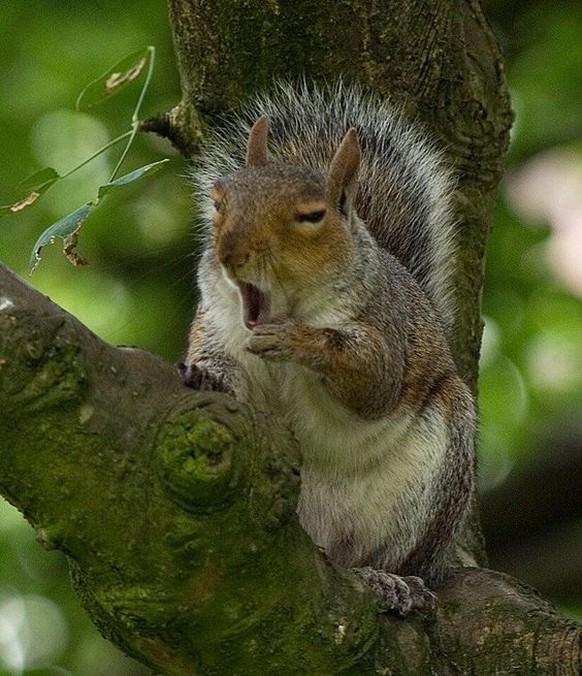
(342, 177)
(257, 151)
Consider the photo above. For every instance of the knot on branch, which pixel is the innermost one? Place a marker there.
(197, 462)
(210, 459)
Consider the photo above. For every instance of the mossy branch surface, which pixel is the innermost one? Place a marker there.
(176, 509)
(177, 512)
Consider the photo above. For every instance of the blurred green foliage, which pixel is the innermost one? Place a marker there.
(531, 367)
(138, 243)
(137, 288)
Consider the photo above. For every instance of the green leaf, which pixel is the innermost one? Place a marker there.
(67, 229)
(30, 190)
(113, 80)
(38, 180)
(131, 177)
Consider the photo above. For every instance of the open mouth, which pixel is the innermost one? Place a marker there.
(256, 305)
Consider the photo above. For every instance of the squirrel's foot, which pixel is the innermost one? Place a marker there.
(200, 379)
(401, 594)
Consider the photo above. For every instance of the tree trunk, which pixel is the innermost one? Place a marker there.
(177, 509)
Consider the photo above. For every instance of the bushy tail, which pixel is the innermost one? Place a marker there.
(405, 186)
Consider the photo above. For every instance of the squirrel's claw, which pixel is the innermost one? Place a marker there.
(199, 379)
(401, 594)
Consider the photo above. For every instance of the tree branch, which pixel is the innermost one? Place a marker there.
(177, 512)
(176, 509)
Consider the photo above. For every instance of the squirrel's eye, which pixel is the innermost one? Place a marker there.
(310, 216)
(217, 204)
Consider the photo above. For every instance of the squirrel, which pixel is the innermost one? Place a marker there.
(325, 283)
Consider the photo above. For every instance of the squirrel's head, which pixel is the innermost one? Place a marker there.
(284, 230)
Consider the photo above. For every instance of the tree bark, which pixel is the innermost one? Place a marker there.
(177, 509)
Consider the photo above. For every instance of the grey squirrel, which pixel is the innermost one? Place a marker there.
(325, 298)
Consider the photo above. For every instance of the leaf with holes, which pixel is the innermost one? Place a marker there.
(113, 80)
(30, 190)
(67, 228)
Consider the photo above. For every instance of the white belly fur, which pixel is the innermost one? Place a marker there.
(369, 483)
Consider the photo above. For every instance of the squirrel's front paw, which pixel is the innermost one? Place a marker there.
(279, 341)
(401, 594)
(199, 379)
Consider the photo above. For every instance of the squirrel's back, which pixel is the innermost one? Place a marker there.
(405, 187)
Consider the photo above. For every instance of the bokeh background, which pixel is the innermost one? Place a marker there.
(138, 287)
